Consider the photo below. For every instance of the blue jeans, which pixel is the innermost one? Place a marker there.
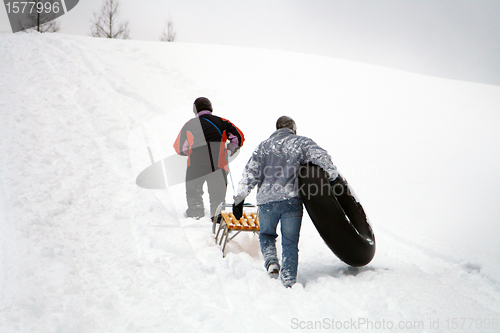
(290, 213)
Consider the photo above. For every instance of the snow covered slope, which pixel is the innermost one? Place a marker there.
(84, 249)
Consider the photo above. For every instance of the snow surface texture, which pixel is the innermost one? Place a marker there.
(84, 249)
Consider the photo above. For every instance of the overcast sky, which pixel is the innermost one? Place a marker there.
(457, 39)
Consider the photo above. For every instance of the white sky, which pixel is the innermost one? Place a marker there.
(458, 39)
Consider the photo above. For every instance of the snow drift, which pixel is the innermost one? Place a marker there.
(84, 249)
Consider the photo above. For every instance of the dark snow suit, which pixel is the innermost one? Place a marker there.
(203, 140)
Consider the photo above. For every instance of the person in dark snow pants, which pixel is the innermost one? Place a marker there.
(203, 140)
(273, 167)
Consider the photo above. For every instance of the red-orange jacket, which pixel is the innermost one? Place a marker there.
(203, 140)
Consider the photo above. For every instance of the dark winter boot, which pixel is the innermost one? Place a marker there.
(196, 212)
(273, 270)
(194, 198)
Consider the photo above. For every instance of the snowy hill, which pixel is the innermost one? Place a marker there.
(84, 249)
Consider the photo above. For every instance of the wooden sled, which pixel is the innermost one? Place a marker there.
(226, 226)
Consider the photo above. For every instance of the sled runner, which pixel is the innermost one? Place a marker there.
(226, 226)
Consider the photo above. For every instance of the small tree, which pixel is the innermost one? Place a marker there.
(106, 24)
(38, 19)
(168, 34)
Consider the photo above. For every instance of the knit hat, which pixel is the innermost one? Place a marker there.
(286, 122)
(201, 104)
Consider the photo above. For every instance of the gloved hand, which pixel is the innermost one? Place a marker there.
(233, 148)
(238, 210)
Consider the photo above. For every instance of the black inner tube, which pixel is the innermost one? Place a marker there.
(337, 215)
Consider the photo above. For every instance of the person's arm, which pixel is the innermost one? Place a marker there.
(234, 135)
(183, 142)
(250, 178)
(320, 157)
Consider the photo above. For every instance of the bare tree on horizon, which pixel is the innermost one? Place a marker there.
(168, 34)
(39, 21)
(105, 22)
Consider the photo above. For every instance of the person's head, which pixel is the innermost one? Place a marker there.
(286, 122)
(202, 104)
